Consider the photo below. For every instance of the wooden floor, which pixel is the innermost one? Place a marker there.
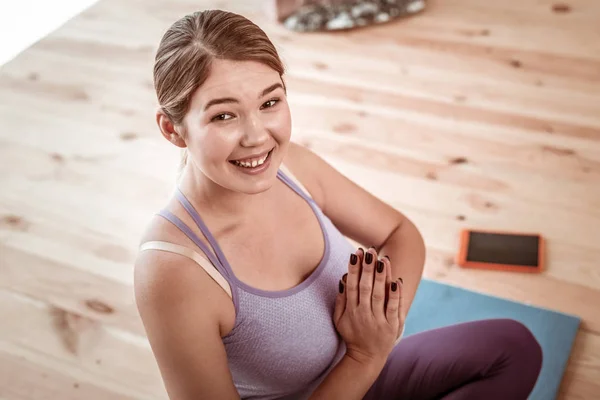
(474, 114)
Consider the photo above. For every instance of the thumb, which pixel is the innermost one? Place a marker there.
(340, 303)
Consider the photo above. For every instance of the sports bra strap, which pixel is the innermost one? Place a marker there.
(189, 253)
(291, 176)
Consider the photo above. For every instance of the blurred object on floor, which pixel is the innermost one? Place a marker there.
(330, 15)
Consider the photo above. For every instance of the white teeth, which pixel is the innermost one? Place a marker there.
(253, 164)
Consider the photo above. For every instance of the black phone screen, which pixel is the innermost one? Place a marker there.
(499, 248)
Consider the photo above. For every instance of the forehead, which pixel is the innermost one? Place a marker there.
(235, 79)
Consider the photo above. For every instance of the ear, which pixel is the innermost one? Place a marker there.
(168, 129)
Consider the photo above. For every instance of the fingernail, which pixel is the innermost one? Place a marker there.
(345, 277)
(386, 256)
(341, 287)
(394, 286)
(401, 281)
(369, 258)
(353, 259)
(380, 266)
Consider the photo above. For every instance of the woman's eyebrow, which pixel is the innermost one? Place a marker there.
(270, 89)
(223, 100)
(214, 102)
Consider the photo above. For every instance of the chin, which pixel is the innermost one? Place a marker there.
(266, 182)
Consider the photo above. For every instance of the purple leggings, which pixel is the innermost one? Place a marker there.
(488, 359)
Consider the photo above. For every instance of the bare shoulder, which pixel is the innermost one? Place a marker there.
(305, 165)
(181, 309)
(160, 275)
(356, 212)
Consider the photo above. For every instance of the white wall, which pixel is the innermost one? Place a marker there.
(24, 22)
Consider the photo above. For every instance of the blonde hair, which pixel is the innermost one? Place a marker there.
(186, 51)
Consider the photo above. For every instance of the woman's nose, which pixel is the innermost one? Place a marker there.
(255, 132)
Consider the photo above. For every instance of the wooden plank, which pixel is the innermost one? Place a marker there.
(78, 290)
(386, 99)
(581, 376)
(502, 207)
(81, 348)
(27, 375)
(569, 160)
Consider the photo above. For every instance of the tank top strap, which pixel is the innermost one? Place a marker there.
(288, 178)
(202, 226)
(199, 259)
(194, 238)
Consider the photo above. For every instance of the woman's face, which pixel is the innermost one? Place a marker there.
(240, 113)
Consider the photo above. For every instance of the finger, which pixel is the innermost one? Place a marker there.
(401, 314)
(393, 305)
(388, 277)
(361, 257)
(361, 254)
(388, 270)
(365, 287)
(351, 286)
(340, 303)
(379, 294)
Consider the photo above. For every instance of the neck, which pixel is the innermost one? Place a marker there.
(218, 201)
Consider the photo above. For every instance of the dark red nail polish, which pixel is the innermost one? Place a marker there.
(401, 281)
(380, 266)
(345, 277)
(341, 287)
(368, 258)
(353, 259)
(386, 256)
(394, 286)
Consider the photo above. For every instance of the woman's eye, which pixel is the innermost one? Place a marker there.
(222, 117)
(270, 103)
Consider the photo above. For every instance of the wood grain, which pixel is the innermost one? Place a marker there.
(474, 114)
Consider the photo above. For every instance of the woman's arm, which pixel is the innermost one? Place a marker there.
(176, 300)
(406, 250)
(362, 217)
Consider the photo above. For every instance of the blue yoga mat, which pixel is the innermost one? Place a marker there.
(437, 304)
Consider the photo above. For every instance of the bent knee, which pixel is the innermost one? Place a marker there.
(518, 340)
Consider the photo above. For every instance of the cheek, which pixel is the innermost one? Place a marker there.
(214, 144)
(280, 124)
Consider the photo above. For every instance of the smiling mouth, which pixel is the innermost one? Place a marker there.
(255, 163)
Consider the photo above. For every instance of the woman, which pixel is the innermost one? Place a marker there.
(245, 282)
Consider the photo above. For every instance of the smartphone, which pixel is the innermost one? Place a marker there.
(505, 251)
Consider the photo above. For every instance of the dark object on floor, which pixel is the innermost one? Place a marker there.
(351, 14)
(504, 251)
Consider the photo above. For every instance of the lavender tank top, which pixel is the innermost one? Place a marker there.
(283, 343)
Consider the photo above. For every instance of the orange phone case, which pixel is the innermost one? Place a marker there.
(462, 261)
